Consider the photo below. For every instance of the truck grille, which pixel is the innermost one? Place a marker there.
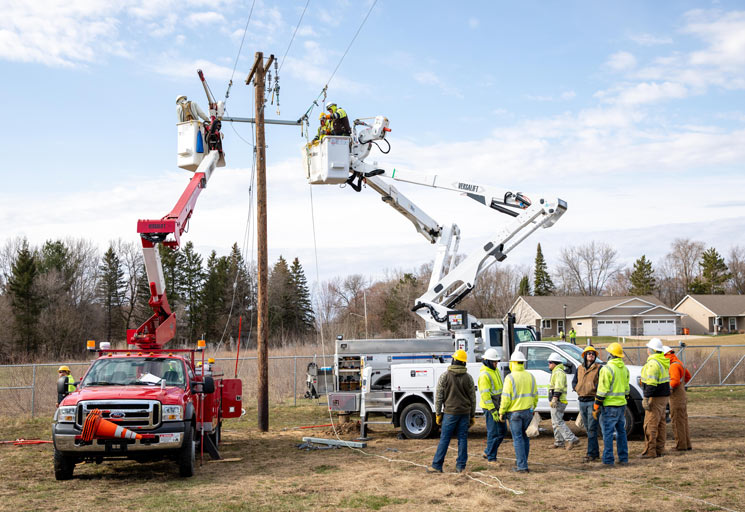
(133, 414)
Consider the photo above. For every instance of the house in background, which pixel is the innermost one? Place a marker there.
(598, 316)
(713, 314)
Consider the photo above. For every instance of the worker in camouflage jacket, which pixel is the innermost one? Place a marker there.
(455, 408)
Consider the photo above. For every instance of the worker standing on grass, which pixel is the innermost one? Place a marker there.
(490, 391)
(557, 395)
(610, 405)
(585, 383)
(679, 377)
(519, 399)
(455, 406)
(573, 336)
(64, 372)
(339, 120)
(656, 384)
(561, 335)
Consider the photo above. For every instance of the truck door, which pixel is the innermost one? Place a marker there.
(537, 364)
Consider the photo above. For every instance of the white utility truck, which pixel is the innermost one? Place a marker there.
(413, 388)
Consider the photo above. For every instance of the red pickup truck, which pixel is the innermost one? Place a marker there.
(159, 394)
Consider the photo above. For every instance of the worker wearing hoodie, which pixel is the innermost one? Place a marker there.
(455, 407)
(656, 385)
(518, 401)
(585, 383)
(679, 377)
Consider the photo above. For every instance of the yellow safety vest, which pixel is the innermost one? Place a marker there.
(490, 387)
(71, 384)
(613, 383)
(656, 370)
(520, 391)
(559, 382)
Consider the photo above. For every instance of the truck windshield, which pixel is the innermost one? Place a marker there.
(522, 334)
(574, 350)
(135, 371)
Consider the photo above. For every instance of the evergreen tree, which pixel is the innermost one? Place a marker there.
(214, 296)
(524, 287)
(55, 256)
(302, 311)
(396, 305)
(642, 277)
(172, 262)
(110, 289)
(542, 283)
(281, 298)
(240, 292)
(190, 288)
(714, 272)
(24, 298)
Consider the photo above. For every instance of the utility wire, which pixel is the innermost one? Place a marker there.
(293, 35)
(240, 48)
(351, 42)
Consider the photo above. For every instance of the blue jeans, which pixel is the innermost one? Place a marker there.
(613, 420)
(453, 424)
(592, 427)
(519, 421)
(495, 432)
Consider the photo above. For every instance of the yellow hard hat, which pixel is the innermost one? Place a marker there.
(63, 369)
(211, 360)
(615, 349)
(322, 116)
(460, 355)
(589, 348)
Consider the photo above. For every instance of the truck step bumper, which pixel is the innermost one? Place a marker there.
(153, 442)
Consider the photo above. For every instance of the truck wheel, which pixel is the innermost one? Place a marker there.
(417, 421)
(64, 465)
(187, 457)
(630, 421)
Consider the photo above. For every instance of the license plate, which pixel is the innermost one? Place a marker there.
(170, 438)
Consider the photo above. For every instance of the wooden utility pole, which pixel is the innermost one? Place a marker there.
(257, 73)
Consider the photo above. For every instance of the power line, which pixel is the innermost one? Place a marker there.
(351, 42)
(230, 84)
(293, 35)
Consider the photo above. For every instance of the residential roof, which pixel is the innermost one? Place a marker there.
(553, 306)
(721, 305)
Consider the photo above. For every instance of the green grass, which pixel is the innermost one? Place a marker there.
(370, 501)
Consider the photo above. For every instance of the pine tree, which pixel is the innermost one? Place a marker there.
(213, 296)
(280, 298)
(172, 262)
(55, 256)
(304, 318)
(542, 283)
(110, 289)
(190, 288)
(524, 287)
(714, 272)
(642, 278)
(240, 292)
(24, 298)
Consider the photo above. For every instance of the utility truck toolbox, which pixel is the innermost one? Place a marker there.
(344, 402)
(328, 161)
(190, 145)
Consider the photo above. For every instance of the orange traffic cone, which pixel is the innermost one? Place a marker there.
(96, 426)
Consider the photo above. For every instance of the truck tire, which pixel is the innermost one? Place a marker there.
(630, 421)
(188, 455)
(64, 465)
(417, 421)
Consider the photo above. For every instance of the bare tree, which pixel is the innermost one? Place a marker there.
(130, 257)
(620, 283)
(588, 268)
(684, 256)
(495, 291)
(736, 264)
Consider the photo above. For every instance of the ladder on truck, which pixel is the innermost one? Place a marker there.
(373, 402)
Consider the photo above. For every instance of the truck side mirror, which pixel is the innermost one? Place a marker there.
(62, 386)
(206, 387)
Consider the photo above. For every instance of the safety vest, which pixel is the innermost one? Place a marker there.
(71, 384)
(519, 392)
(559, 382)
(613, 384)
(186, 107)
(490, 387)
(656, 370)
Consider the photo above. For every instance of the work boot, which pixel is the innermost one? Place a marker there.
(515, 470)
(555, 446)
(431, 469)
(572, 443)
(460, 470)
(646, 456)
(588, 459)
(624, 463)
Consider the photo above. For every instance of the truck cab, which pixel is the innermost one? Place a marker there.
(158, 395)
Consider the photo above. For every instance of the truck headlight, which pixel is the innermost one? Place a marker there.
(173, 413)
(66, 414)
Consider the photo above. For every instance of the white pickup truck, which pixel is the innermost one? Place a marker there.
(413, 388)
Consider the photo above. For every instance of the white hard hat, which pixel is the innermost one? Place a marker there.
(518, 357)
(491, 355)
(555, 358)
(179, 98)
(655, 344)
(666, 349)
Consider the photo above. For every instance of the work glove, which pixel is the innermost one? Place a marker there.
(438, 419)
(501, 418)
(495, 415)
(596, 412)
(627, 398)
(645, 404)
(554, 402)
(471, 422)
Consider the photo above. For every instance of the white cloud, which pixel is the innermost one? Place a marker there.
(650, 39)
(430, 78)
(566, 95)
(200, 19)
(621, 61)
(648, 92)
(725, 34)
(178, 68)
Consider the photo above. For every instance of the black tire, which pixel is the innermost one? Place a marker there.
(630, 421)
(417, 421)
(188, 455)
(64, 465)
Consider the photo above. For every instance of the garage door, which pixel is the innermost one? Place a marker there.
(657, 327)
(614, 328)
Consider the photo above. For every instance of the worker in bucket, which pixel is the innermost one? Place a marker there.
(656, 385)
(325, 127)
(557, 395)
(64, 373)
(679, 377)
(518, 401)
(339, 120)
(585, 383)
(610, 405)
(490, 391)
(189, 110)
(455, 407)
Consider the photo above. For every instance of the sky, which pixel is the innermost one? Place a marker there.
(632, 112)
